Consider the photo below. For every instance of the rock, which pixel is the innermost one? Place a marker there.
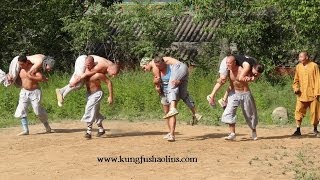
(280, 114)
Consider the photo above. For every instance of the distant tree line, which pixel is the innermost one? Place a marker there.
(272, 30)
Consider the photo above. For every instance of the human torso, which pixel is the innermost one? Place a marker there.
(307, 79)
(26, 82)
(101, 64)
(165, 77)
(238, 86)
(93, 83)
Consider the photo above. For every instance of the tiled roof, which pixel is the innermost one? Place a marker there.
(189, 36)
(189, 31)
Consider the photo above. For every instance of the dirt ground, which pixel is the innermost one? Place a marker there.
(66, 154)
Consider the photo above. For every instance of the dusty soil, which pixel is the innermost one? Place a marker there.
(66, 154)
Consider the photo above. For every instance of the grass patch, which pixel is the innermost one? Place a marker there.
(136, 99)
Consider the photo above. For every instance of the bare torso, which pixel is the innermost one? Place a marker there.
(93, 83)
(238, 86)
(102, 64)
(26, 82)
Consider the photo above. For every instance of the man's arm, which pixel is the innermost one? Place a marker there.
(37, 77)
(105, 79)
(156, 79)
(245, 71)
(296, 82)
(36, 66)
(87, 73)
(317, 82)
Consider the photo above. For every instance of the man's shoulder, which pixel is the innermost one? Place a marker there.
(313, 63)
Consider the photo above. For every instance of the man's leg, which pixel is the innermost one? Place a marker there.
(314, 116)
(223, 72)
(300, 112)
(24, 124)
(63, 92)
(172, 124)
(101, 130)
(229, 115)
(79, 69)
(187, 99)
(100, 118)
(3, 77)
(91, 113)
(250, 114)
(39, 110)
(14, 70)
(89, 130)
(232, 134)
(179, 72)
(21, 111)
(165, 106)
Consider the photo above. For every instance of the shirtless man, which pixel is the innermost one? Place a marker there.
(251, 70)
(38, 61)
(94, 96)
(177, 87)
(30, 92)
(239, 94)
(102, 65)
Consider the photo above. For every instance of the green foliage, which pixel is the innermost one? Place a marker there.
(128, 31)
(34, 26)
(271, 30)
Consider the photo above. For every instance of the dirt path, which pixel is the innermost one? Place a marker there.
(65, 154)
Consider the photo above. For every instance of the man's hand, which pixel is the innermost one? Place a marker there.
(110, 100)
(248, 78)
(156, 80)
(75, 81)
(158, 89)
(175, 82)
(297, 92)
(45, 79)
(32, 71)
(9, 78)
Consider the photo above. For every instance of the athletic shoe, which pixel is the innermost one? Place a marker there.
(198, 116)
(222, 103)
(296, 133)
(23, 133)
(166, 136)
(231, 137)
(59, 98)
(48, 128)
(99, 134)
(211, 104)
(171, 138)
(87, 136)
(254, 136)
(195, 119)
(171, 113)
(315, 132)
